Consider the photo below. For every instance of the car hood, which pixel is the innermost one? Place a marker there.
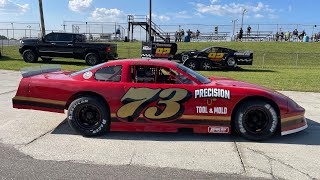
(31, 40)
(223, 81)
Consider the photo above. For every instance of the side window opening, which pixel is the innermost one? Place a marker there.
(64, 37)
(111, 73)
(159, 75)
(51, 37)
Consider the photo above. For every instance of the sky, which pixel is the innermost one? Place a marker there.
(165, 12)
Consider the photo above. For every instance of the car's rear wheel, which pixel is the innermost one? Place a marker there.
(29, 56)
(192, 64)
(46, 60)
(206, 65)
(231, 62)
(92, 59)
(256, 120)
(89, 116)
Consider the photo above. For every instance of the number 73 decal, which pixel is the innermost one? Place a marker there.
(168, 103)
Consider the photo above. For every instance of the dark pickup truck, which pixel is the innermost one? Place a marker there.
(67, 45)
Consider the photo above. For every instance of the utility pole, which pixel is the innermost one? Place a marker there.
(43, 29)
(244, 11)
(234, 26)
(150, 21)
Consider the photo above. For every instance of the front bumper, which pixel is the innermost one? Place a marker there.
(293, 124)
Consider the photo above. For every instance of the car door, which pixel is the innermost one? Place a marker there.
(64, 45)
(154, 97)
(47, 47)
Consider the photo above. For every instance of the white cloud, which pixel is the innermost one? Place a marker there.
(161, 18)
(259, 16)
(258, 10)
(79, 5)
(183, 15)
(10, 7)
(290, 8)
(214, 1)
(107, 15)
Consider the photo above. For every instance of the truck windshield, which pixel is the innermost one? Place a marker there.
(199, 77)
(87, 69)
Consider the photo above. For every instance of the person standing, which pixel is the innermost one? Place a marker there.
(241, 34)
(248, 30)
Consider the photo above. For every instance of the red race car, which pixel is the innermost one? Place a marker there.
(158, 96)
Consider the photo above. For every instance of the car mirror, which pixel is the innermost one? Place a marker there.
(43, 39)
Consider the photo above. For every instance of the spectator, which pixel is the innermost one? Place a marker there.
(197, 34)
(181, 35)
(240, 34)
(287, 36)
(295, 34)
(248, 30)
(167, 38)
(176, 35)
(302, 35)
(277, 36)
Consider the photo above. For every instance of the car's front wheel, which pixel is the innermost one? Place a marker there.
(89, 116)
(29, 56)
(256, 120)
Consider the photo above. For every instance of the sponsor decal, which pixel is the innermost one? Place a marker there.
(87, 75)
(218, 129)
(147, 48)
(215, 110)
(212, 93)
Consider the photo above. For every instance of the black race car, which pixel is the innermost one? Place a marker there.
(211, 57)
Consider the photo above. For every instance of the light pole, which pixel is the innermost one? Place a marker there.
(12, 31)
(244, 11)
(150, 20)
(43, 29)
(234, 26)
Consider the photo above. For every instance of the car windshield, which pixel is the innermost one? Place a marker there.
(87, 69)
(206, 49)
(199, 77)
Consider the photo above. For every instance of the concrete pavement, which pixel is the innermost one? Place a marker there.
(46, 136)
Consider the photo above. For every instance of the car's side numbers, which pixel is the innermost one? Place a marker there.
(162, 52)
(168, 103)
(215, 55)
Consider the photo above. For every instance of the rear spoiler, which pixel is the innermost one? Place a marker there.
(36, 70)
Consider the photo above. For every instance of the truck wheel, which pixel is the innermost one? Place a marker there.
(206, 65)
(231, 62)
(88, 116)
(192, 64)
(92, 59)
(29, 56)
(256, 120)
(46, 60)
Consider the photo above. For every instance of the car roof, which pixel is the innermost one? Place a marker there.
(156, 62)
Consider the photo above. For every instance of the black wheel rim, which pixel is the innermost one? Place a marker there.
(88, 116)
(92, 60)
(206, 66)
(192, 65)
(256, 120)
(29, 56)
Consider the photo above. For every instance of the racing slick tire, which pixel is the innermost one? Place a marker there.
(29, 56)
(89, 116)
(231, 62)
(206, 65)
(92, 59)
(184, 57)
(256, 120)
(192, 64)
(46, 60)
